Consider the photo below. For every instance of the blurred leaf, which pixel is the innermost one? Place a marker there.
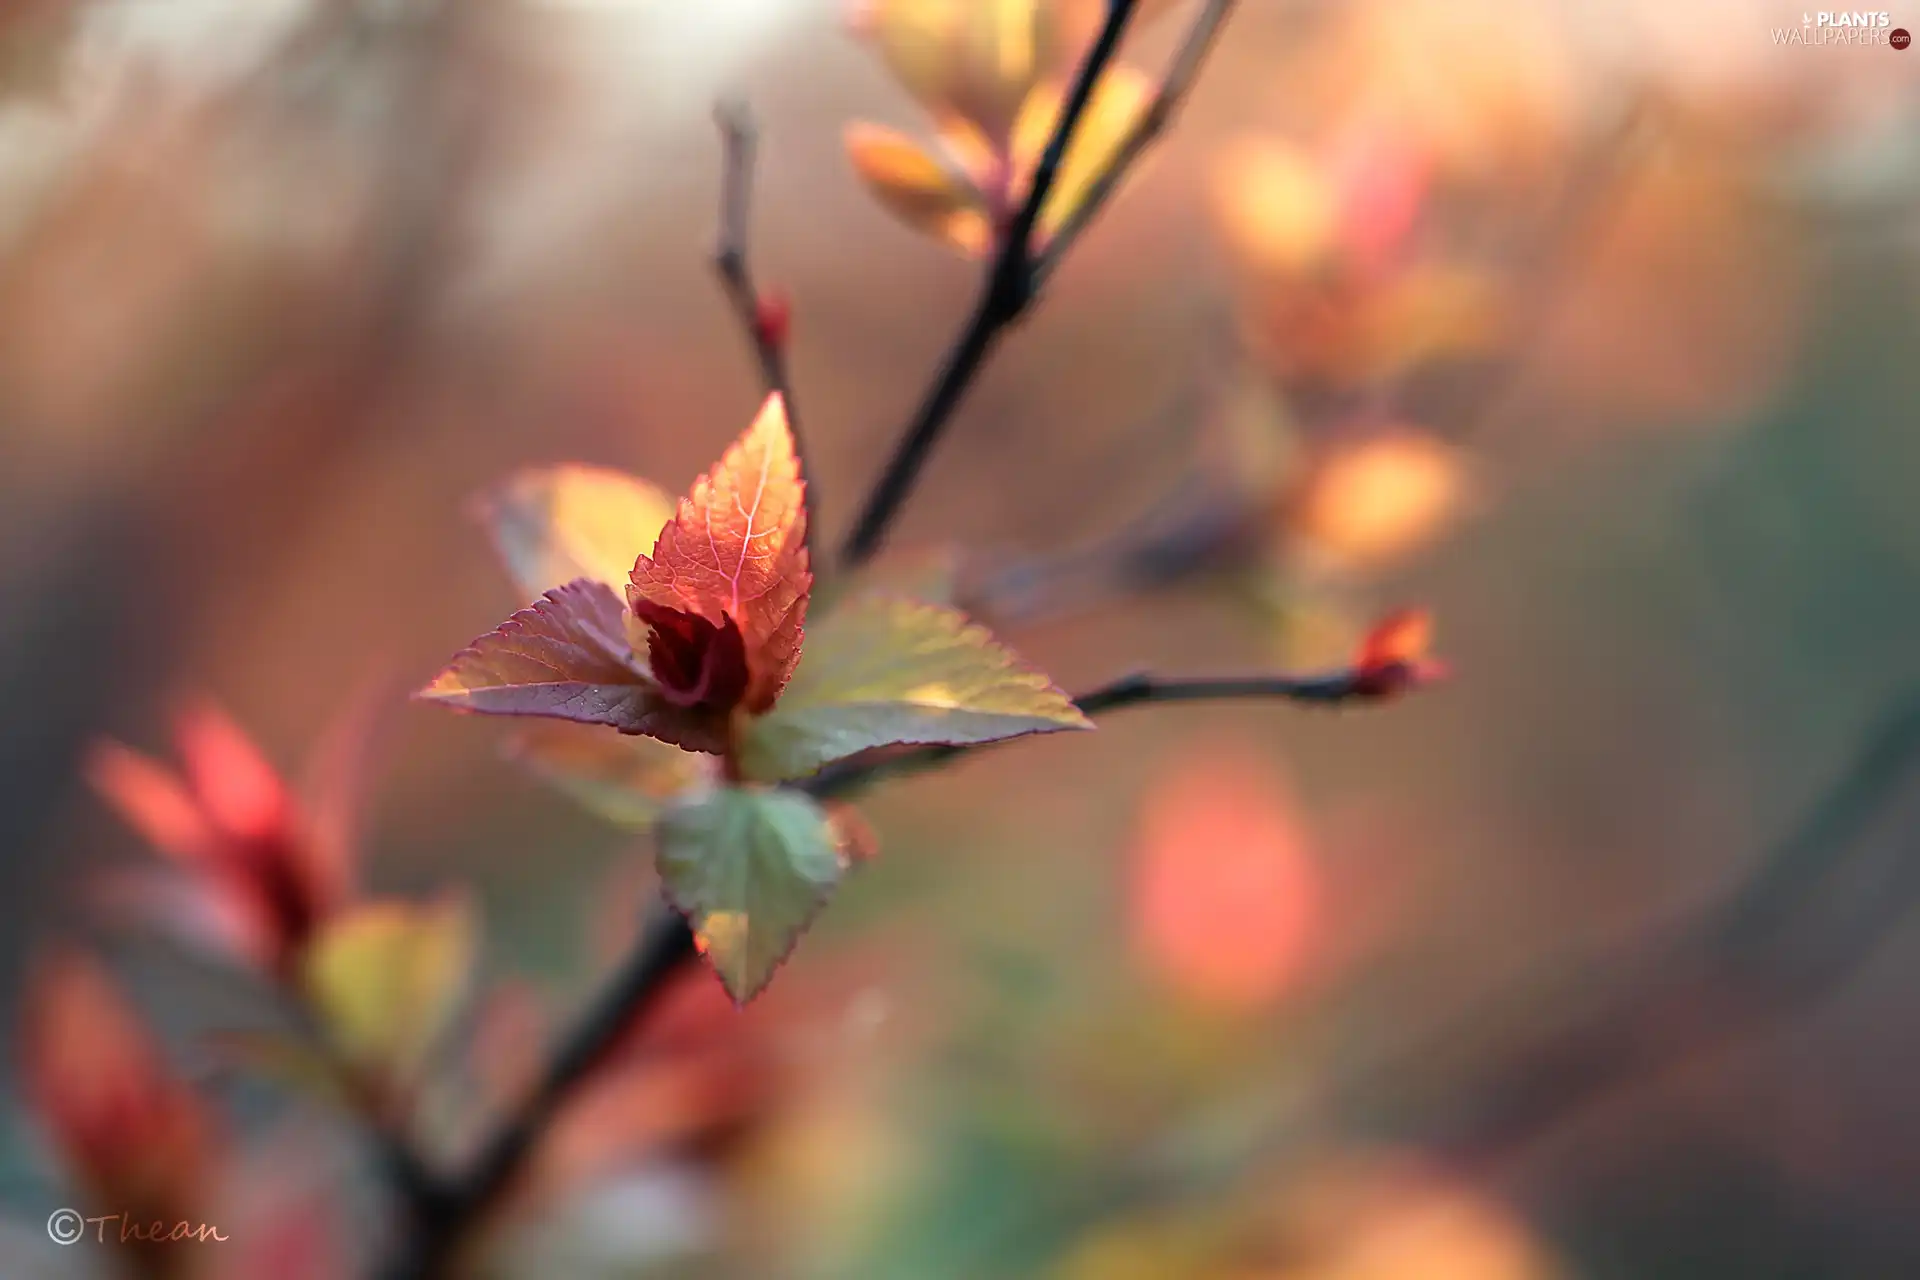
(152, 801)
(622, 778)
(1378, 1217)
(1119, 100)
(1382, 176)
(1370, 502)
(749, 868)
(881, 671)
(552, 525)
(918, 189)
(1277, 209)
(1430, 313)
(976, 61)
(979, 62)
(263, 874)
(95, 1078)
(736, 552)
(386, 977)
(1225, 894)
(1400, 639)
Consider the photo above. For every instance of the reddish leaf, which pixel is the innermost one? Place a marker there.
(735, 553)
(135, 1134)
(566, 656)
(153, 802)
(257, 863)
(700, 667)
(1393, 657)
(238, 788)
(1383, 180)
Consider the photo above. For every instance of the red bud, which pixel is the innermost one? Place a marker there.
(772, 319)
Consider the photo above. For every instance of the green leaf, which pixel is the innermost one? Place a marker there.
(386, 978)
(879, 671)
(749, 867)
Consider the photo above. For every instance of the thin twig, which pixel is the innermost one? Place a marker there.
(762, 318)
(1334, 688)
(1009, 289)
(1213, 525)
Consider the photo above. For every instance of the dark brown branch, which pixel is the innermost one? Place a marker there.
(1334, 688)
(763, 318)
(1009, 289)
(446, 1214)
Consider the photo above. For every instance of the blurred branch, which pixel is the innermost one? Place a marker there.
(763, 318)
(1759, 937)
(1019, 268)
(1214, 522)
(446, 1213)
(1768, 944)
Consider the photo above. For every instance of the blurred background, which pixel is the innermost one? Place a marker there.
(1588, 326)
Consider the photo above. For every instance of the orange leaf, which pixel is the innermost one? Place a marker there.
(919, 190)
(1393, 656)
(151, 801)
(1377, 500)
(734, 556)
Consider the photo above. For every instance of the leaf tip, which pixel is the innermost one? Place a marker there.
(1395, 656)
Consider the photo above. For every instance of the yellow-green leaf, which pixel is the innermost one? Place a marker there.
(749, 867)
(976, 59)
(1119, 100)
(881, 670)
(918, 189)
(386, 977)
(554, 524)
